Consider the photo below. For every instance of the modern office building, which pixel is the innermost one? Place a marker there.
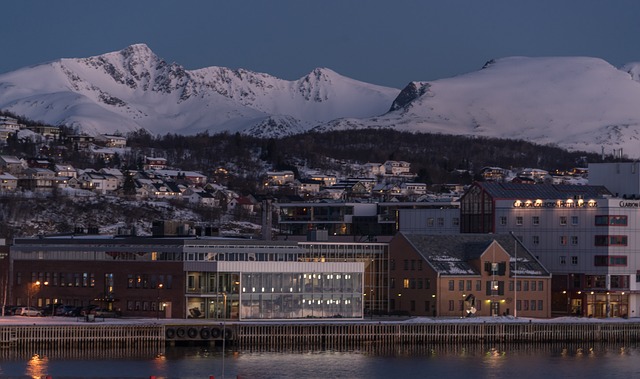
(185, 277)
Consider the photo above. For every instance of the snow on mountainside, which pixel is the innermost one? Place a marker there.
(575, 102)
(133, 88)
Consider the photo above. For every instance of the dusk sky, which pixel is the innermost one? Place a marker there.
(388, 43)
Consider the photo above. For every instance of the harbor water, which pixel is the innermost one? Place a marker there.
(575, 360)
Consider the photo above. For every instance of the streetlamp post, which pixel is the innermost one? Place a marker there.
(158, 302)
(33, 289)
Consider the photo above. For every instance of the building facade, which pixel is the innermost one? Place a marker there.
(184, 277)
(465, 276)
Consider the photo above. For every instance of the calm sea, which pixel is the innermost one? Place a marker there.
(449, 362)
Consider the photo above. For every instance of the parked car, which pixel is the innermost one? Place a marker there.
(28, 311)
(102, 312)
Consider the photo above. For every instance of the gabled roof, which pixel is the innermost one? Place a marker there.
(541, 191)
(452, 254)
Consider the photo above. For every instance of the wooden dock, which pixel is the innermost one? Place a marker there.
(317, 335)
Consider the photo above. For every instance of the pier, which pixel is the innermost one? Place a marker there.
(308, 334)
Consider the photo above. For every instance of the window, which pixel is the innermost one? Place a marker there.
(526, 305)
(461, 285)
(419, 265)
(511, 285)
(440, 221)
(412, 283)
(519, 220)
(574, 220)
(610, 240)
(503, 220)
(607, 220)
(451, 285)
(392, 283)
(461, 305)
(533, 305)
(427, 306)
(574, 260)
(563, 260)
(413, 305)
(540, 305)
(468, 285)
(610, 260)
(533, 285)
(419, 284)
(563, 220)
(563, 240)
(455, 221)
(406, 264)
(392, 264)
(427, 283)
(574, 240)
(405, 283)
(430, 222)
(540, 287)
(413, 265)
(518, 305)
(535, 220)
(451, 305)
(526, 285)
(478, 285)
(535, 240)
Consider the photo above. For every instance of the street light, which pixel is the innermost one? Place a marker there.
(158, 302)
(33, 289)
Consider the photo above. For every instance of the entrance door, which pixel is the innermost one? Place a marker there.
(495, 308)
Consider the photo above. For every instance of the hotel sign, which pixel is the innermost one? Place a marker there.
(629, 204)
(570, 203)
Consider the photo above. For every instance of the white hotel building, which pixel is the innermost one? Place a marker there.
(586, 236)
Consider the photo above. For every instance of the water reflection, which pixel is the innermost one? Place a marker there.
(37, 366)
(370, 360)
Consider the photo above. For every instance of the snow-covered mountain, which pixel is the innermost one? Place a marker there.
(577, 103)
(133, 88)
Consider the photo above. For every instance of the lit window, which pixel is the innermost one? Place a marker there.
(563, 220)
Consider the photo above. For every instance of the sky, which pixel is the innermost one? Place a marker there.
(384, 42)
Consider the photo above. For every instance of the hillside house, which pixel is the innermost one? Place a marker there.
(49, 132)
(191, 177)
(395, 168)
(8, 182)
(109, 140)
(373, 170)
(66, 171)
(154, 163)
(80, 141)
(12, 164)
(199, 197)
(327, 180)
(37, 179)
(309, 186)
(99, 182)
(279, 178)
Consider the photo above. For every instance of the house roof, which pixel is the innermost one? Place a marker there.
(541, 191)
(452, 254)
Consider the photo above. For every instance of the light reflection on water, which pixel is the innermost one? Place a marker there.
(370, 361)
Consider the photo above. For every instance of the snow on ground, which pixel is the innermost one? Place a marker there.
(21, 320)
